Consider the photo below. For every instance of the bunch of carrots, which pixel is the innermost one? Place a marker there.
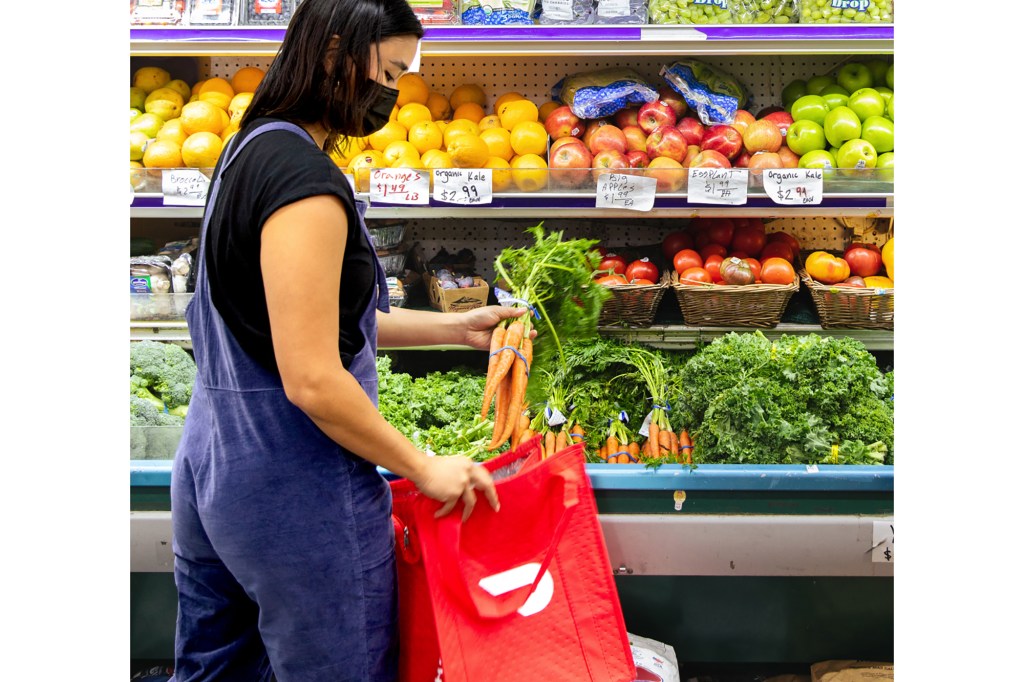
(620, 447)
(508, 371)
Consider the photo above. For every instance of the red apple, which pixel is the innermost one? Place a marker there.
(768, 110)
(670, 174)
(691, 152)
(626, 117)
(563, 123)
(667, 94)
(724, 139)
(666, 141)
(692, 129)
(742, 161)
(762, 160)
(636, 138)
(608, 138)
(742, 119)
(762, 136)
(637, 158)
(607, 161)
(654, 115)
(781, 119)
(563, 140)
(709, 158)
(592, 127)
(570, 164)
(789, 157)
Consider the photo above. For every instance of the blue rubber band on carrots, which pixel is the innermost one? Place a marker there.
(516, 351)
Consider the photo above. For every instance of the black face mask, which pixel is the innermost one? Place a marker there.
(380, 112)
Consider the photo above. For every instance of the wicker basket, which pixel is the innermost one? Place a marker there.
(850, 307)
(633, 304)
(730, 305)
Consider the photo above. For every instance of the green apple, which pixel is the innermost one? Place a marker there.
(805, 136)
(150, 124)
(817, 159)
(134, 113)
(889, 108)
(857, 153)
(794, 91)
(885, 92)
(834, 96)
(833, 151)
(840, 125)
(877, 67)
(854, 76)
(138, 141)
(884, 166)
(890, 76)
(809, 108)
(880, 132)
(866, 102)
(816, 83)
(138, 98)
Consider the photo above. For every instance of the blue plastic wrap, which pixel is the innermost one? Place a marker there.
(598, 94)
(713, 94)
(496, 12)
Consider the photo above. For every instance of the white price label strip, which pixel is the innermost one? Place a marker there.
(620, 190)
(184, 187)
(881, 542)
(466, 186)
(399, 186)
(794, 186)
(717, 186)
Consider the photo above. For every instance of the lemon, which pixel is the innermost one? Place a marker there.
(488, 122)
(201, 150)
(180, 87)
(239, 103)
(219, 99)
(172, 130)
(150, 124)
(138, 98)
(887, 258)
(139, 140)
(162, 154)
(202, 117)
(165, 103)
(149, 78)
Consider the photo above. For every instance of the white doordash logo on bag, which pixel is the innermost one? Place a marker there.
(522, 576)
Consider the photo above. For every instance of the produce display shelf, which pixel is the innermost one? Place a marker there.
(552, 40)
(682, 337)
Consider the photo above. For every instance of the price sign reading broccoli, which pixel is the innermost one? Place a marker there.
(618, 190)
(184, 187)
(794, 186)
(882, 542)
(465, 186)
(717, 186)
(399, 186)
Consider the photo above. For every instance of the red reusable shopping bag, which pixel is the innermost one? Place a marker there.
(521, 594)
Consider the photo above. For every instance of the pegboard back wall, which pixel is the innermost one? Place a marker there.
(763, 75)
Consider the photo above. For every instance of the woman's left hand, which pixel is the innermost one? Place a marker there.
(480, 322)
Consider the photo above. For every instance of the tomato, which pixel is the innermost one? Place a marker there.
(864, 262)
(738, 254)
(674, 242)
(748, 239)
(685, 259)
(755, 223)
(755, 267)
(641, 282)
(736, 271)
(642, 269)
(695, 276)
(720, 231)
(701, 239)
(826, 268)
(713, 249)
(601, 250)
(777, 271)
(785, 237)
(612, 280)
(864, 245)
(713, 265)
(614, 263)
(854, 281)
(778, 249)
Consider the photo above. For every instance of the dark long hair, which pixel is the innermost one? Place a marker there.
(297, 86)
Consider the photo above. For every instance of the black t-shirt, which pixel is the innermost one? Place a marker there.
(275, 169)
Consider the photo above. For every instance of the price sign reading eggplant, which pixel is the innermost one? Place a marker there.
(717, 186)
(794, 186)
(619, 190)
(184, 187)
(466, 186)
(399, 186)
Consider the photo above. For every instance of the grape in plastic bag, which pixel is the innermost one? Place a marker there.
(621, 12)
(597, 94)
(690, 12)
(764, 11)
(846, 11)
(712, 93)
(566, 12)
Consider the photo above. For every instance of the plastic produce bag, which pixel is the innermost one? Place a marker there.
(597, 94)
(764, 11)
(654, 660)
(212, 12)
(621, 12)
(690, 12)
(712, 93)
(562, 12)
(496, 12)
(847, 11)
(151, 275)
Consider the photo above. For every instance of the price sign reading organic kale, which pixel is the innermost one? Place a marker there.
(717, 186)
(184, 187)
(619, 190)
(466, 186)
(399, 186)
(794, 186)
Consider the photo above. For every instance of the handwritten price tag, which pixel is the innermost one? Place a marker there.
(184, 187)
(618, 190)
(399, 186)
(466, 186)
(717, 186)
(798, 186)
(881, 542)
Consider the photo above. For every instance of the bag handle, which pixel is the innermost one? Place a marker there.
(562, 489)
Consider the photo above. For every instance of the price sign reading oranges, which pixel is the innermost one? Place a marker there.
(399, 186)
(717, 186)
(794, 186)
(466, 186)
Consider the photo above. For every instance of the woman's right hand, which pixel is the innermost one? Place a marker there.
(451, 478)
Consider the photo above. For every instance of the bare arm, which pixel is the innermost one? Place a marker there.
(403, 327)
(301, 253)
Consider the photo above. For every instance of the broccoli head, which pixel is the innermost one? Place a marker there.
(166, 368)
(144, 412)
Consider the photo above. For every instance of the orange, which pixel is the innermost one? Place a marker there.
(425, 135)
(349, 146)
(488, 122)
(397, 149)
(216, 84)
(546, 109)
(173, 131)
(201, 150)
(438, 105)
(225, 119)
(218, 99)
(413, 112)
(458, 127)
(228, 132)
(437, 160)
(392, 130)
(246, 79)
(517, 111)
(201, 117)
(470, 111)
(530, 173)
(498, 142)
(430, 154)
(412, 88)
(407, 160)
(469, 151)
(501, 176)
(162, 154)
(195, 88)
(394, 113)
(507, 97)
(469, 92)
(529, 137)
(361, 165)
(441, 125)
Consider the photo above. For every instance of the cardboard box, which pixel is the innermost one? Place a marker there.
(457, 300)
(852, 671)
